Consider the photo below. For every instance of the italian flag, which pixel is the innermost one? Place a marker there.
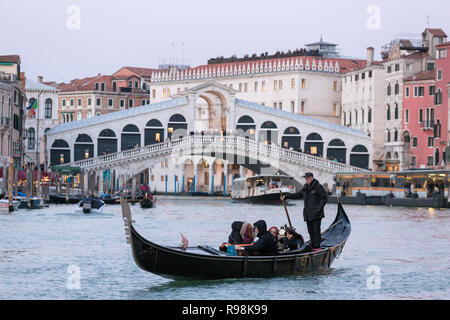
(32, 107)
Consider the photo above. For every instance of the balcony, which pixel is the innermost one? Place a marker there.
(427, 125)
(10, 77)
(5, 123)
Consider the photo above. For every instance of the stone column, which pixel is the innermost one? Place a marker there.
(225, 179)
(241, 171)
(211, 180)
(133, 187)
(194, 183)
(81, 185)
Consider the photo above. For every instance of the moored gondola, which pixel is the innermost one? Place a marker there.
(204, 262)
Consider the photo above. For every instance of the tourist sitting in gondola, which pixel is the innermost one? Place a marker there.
(292, 240)
(247, 233)
(276, 233)
(235, 236)
(266, 244)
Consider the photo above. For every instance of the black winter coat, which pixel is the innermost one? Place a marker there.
(235, 236)
(315, 198)
(266, 244)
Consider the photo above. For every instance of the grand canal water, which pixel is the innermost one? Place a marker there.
(392, 253)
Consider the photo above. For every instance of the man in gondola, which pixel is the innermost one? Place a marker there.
(315, 199)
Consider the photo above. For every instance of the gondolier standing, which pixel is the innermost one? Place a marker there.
(315, 198)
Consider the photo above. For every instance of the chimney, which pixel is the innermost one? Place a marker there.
(40, 78)
(370, 55)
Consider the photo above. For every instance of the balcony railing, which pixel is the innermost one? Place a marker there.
(427, 125)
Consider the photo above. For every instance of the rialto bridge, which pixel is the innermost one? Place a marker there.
(202, 139)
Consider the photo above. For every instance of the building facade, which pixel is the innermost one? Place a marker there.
(102, 94)
(426, 113)
(12, 103)
(39, 121)
(363, 102)
(302, 82)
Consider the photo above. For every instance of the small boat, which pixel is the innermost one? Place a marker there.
(4, 205)
(263, 189)
(204, 262)
(90, 205)
(148, 202)
(35, 202)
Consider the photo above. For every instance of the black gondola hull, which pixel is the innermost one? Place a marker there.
(191, 264)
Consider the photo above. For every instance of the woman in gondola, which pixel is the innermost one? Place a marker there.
(293, 240)
(248, 233)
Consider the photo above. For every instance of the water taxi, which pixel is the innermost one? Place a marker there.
(263, 188)
(418, 188)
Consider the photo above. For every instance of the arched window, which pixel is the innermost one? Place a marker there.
(268, 133)
(83, 148)
(177, 124)
(291, 139)
(396, 111)
(359, 157)
(246, 127)
(130, 137)
(388, 115)
(79, 116)
(336, 151)
(48, 108)
(314, 145)
(106, 142)
(154, 132)
(31, 138)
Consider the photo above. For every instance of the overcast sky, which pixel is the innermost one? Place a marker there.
(66, 39)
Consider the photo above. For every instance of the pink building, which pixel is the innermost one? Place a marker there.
(442, 88)
(425, 118)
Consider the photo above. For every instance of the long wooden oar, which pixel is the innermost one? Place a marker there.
(285, 209)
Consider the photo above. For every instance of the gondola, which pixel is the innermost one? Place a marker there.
(147, 202)
(204, 262)
(60, 198)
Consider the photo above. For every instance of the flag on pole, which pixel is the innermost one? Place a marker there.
(32, 107)
(184, 241)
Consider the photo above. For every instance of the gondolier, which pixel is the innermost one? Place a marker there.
(315, 198)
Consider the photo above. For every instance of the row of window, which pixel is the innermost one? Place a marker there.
(431, 161)
(100, 86)
(363, 119)
(396, 68)
(257, 86)
(419, 91)
(358, 76)
(98, 102)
